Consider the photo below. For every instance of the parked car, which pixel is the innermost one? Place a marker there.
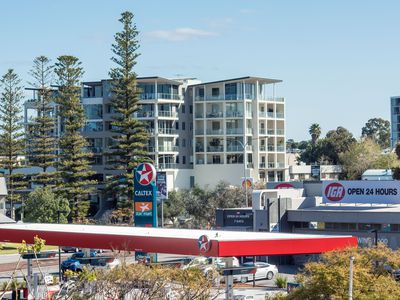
(71, 264)
(67, 249)
(81, 254)
(263, 271)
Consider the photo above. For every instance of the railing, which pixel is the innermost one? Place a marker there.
(271, 99)
(234, 131)
(262, 131)
(270, 131)
(261, 165)
(199, 115)
(167, 131)
(215, 148)
(250, 165)
(167, 113)
(280, 132)
(232, 148)
(271, 165)
(234, 113)
(199, 162)
(150, 130)
(199, 98)
(280, 115)
(210, 162)
(199, 132)
(271, 148)
(214, 114)
(153, 96)
(225, 97)
(262, 148)
(151, 149)
(280, 165)
(265, 114)
(167, 166)
(215, 131)
(168, 148)
(249, 130)
(144, 114)
(95, 149)
(280, 148)
(199, 149)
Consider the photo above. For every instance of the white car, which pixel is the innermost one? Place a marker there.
(263, 271)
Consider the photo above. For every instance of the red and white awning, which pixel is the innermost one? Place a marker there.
(175, 241)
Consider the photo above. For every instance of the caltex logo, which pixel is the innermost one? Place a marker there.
(145, 173)
(204, 244)
(335, 191)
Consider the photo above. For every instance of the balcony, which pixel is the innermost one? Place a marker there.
(271, 165)
(199, 149)
(280, 148)
(262, 131)
(215, 131)
(199, 161)
(215, 114)
(240, 96)
(167, 131)
(167, 113)
(199, 132)
(168, 148)
(249, 130)
(199, 115)
(270, 132)
(271, 148)
(234, 131)
(280, 132)
(151, 149)
(95, 149)
(234, 114)
(280, 165)
(271, 99)
(280, 115)
(234, 148)
(153, 96)
(150, 130)
(214, 162)
(144, 114)
(215, 148)
(167, 166)
(263, 148)
(261, 165)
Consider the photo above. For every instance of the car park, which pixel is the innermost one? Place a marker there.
(72, 265)
(263, 271)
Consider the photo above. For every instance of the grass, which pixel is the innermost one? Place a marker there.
(12, 248)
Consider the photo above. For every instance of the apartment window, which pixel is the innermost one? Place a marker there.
(97, 160)
(191, 126)
(201, 92)
(94, 111)
(177, 159)
(216, 159)
(177, 125)
(93, 127)
(183, 143)
(191, 109)
(183, 108)
(177, 142)
(183, 126)
(110, 109)
(215, 92)
(184, 160)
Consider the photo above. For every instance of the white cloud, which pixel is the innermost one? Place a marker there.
(180, 34)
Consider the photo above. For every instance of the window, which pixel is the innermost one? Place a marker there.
(183, 108)
(184, 159)
(191, 109)
(215, 92)
(93, 126)
(183, 143)
(94, 111)
(177, 159)
(191, 126)
(97, 160)
(183, 126)
(177, 142)
(216, 159)
(177, 125)
(95, 145)
(201, 92)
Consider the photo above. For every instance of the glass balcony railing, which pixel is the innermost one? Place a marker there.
(263, 148)
(215, 131)
(199, 131)
(199, 149)
(280, 132)
(262, 131)
(249, 130)
(95, 149)
(151, 149)
(214, 162)
(167, 113)
(167, 131)
(233, 148)
(150, 130)
(280, 148)
(215, 148)
(167, 165)
(234, 131)
(144, 114)
(270, 131)
(262, 165)
(280, 165)
(199, 162)
(271, 148)
(280, 115)
(168, 148)
(271, 165)
(199, 115)
(250, 165)
(234, 114)
(215, 114)
(271, 99)
(153, 96)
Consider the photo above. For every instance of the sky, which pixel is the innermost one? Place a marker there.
(339, 60)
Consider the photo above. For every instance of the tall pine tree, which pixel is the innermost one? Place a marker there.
(11, 136)
(130, 135)
(74, 159)
(42, 144)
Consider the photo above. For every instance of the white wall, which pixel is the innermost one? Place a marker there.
(179, 179)
(211, 175)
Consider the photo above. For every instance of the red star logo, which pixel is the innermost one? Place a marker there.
(145, 173)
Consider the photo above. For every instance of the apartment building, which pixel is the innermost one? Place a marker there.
(395, 120)
(200, 133)
(239, 131)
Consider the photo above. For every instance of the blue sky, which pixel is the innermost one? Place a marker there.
(339, 60)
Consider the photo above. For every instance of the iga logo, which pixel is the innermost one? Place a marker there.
(145, 173)
(204, 243)
(335, 191)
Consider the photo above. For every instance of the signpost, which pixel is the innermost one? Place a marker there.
(162, 192)
(145, 198)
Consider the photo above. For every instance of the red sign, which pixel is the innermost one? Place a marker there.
(335, 191)
(204, 244)
(145, 173)
(284, 186)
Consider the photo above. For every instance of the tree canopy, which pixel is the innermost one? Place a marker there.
(378, 130)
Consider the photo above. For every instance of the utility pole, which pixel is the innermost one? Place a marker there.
(351, 278)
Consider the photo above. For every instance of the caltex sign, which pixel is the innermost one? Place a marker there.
(144, 196)
(363, 191)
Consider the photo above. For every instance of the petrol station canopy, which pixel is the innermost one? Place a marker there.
(175, 241)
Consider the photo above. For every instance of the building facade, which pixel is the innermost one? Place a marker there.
(200, 133)
(395, 120)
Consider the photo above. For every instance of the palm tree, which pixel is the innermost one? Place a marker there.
(315, 131)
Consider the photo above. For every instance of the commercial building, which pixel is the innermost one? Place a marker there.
(200, 133)
(395, 120)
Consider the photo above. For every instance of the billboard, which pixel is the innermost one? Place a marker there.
(161, 183)
(238, 217)
(361, 191)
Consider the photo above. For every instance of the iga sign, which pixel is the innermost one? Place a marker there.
(365, 191)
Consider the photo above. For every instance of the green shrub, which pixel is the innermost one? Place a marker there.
(281, 282)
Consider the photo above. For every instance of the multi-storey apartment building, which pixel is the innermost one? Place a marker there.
(239, 131)
(395, 120)
(200, 133)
